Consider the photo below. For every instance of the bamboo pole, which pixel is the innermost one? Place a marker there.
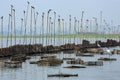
(24, 41)
(69, 40)
(31, 24)
(49, 36)
(54, 26)
(8, 30)
(26, 17)
(81, 26)
(34, 25)
(96, 27)
(43, 28)
(101, 13)
(35, 22)
(74, 28)
(87, 21)
(66, 41)
(47, 26)
(14, 26)
(63, 30)
(78, 31)
(59, 29)
(1, 33)
(21, 30)
(11, 24)
(51, 32)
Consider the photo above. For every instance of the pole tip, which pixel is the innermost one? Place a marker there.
(28, 2)
(12, 6)
(1, 17)
(24, 11)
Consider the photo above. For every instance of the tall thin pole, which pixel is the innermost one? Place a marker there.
(8, 30)
(63, 29)
(14, 26)
(65, 33)
(21, 30)
(49, 30)
(87, 21)
(24, 41)
(34, 25)
(11, 24)
(81, 26)
(74, 28)
(31, 25)
(43, 28)
(54, 26)
(78, 30)
(101, 20)
(69, 40)
(47, 25)
(1, 32)
(34, 28)
(26, 22)
(59, 29)
(27, 14)
(35, 22)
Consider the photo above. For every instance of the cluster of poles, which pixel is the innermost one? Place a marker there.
(50, 28)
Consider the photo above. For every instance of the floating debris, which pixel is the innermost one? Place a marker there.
(48, 57)
(63, 75)
(68, 58)
(49, 61)
(84, 54)
(107, 59)
(94, 63)
(75, 67)
(94, 50)
(13, 64)
(77, 61)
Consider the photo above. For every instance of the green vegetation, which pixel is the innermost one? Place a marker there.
(69, 36)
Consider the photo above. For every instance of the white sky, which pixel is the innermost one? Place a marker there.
(92, 8)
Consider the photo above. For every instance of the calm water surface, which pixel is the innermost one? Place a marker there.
(109, 71)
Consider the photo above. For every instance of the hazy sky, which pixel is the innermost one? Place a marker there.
(92, 8)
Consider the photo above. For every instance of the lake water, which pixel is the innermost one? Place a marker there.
(109, 71)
